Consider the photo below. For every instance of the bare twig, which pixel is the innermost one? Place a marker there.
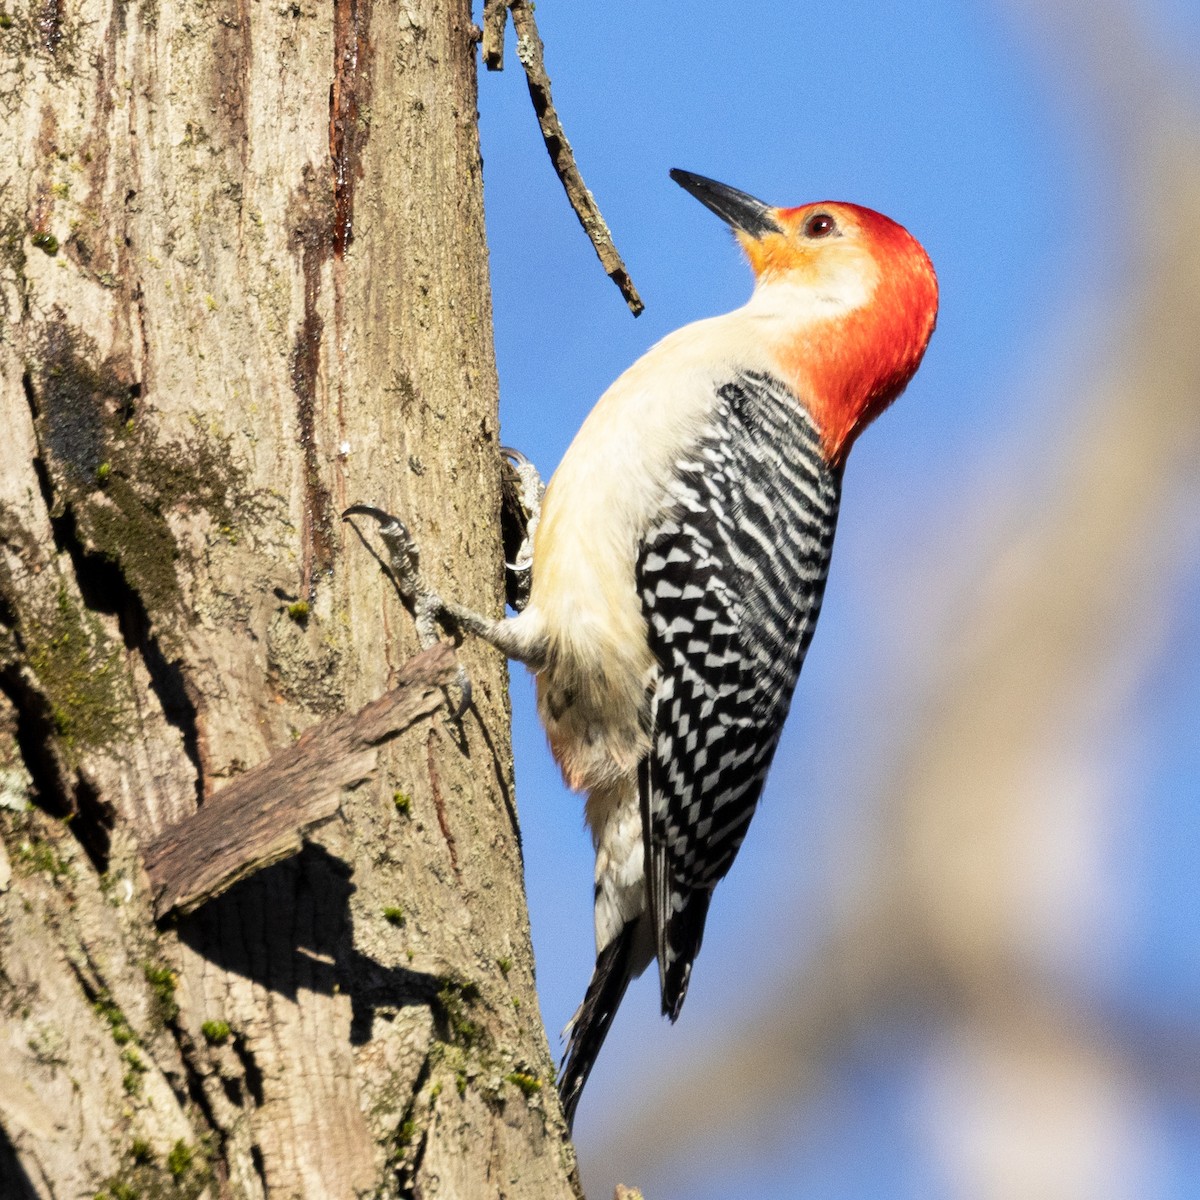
(495, 17)
(530, 52)
(260, 817)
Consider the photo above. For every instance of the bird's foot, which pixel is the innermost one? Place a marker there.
(427, 606)
(404, 561)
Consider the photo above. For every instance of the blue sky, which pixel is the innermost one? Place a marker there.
(957, 122)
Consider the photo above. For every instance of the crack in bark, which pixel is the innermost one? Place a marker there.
(408, 1167)
(499, 774)
(104, 587)
(349, 98)
(251, 1072)
(35, 737)
(93, 824)
(439, 802)
(190, 1088)
(260, 1165)
(311, 238)
(194, 1077)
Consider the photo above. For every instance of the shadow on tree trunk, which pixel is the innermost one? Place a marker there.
(14, 1183)
(290, 928)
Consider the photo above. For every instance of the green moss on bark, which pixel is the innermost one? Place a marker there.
(117, 477)
(81, 674)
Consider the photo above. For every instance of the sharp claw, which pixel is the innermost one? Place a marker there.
(367, 510)
(532, 486)
(519, 461)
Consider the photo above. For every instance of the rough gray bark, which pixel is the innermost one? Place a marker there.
(244, 283)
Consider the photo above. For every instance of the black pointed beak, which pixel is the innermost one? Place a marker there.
(738, 209)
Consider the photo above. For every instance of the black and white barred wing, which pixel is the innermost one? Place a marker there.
(731, 578)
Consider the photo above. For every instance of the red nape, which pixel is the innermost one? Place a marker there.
(850, 368)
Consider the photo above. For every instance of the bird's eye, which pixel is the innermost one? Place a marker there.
(820, 225)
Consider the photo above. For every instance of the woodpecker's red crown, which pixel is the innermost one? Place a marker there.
(853, 294)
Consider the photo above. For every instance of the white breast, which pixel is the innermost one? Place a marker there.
(608, 489)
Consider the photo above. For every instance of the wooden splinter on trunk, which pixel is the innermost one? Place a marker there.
(260, 817)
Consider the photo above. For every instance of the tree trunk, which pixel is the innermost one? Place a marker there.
(244, 282)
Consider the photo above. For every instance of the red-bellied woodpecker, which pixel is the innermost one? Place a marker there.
(679, 562)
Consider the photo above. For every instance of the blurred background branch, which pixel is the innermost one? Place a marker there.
(960, 913)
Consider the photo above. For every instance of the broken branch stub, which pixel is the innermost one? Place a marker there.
(495, 18)
(260, 817)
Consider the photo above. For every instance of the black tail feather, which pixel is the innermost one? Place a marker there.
(590, 1025)
(679, 944)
